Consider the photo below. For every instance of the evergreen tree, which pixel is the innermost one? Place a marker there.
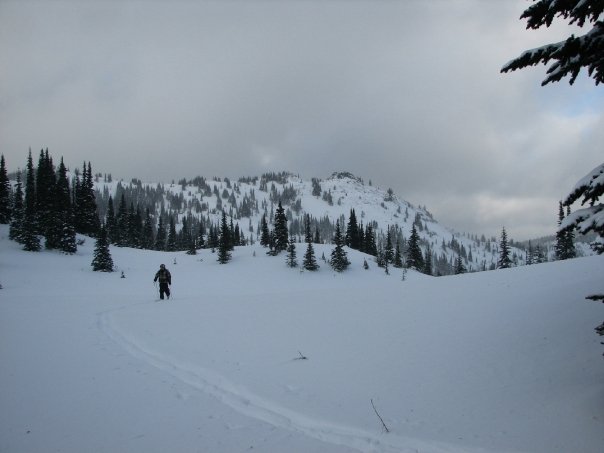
(415, 259)
(147, 239)
(398, 259)
(339, 259)
(224, 250)
(29, 238)
(102, 260)
(352, 232)
(111, 223)
(160, 237)
(388, 251)
(529, 254)
(5, 192)
(370, 243)
(171, 242)
(573, 54)
(122, 223)
(264, 232)
(309, 262)
(459, 266)
(280, 230)
(428, 261)
(291, 253)
(307, 229)
(16, 224)
(504, 261)
(63, 218)
(45, 182)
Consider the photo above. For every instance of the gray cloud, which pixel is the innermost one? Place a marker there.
(407, 94)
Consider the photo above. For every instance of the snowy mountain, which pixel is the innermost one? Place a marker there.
(255, 356)
(201, 201)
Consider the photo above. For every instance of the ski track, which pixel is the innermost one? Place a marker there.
(247, 403)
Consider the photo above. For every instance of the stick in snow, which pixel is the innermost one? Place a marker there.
(302, 357)
(376, 413)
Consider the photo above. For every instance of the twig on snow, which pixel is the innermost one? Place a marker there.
(379, 416)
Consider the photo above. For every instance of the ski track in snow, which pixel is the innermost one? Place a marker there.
(247, 403)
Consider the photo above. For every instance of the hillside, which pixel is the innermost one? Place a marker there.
(485, 362)
(201, 201)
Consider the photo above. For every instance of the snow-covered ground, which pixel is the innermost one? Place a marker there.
(503, 361)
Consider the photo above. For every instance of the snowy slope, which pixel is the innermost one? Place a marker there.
(494, 361)
(371, 204)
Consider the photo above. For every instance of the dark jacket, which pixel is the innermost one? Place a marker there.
(163, 275)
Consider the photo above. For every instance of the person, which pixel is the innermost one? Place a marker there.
(165, 280)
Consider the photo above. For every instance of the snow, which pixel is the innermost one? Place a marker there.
(502, 361)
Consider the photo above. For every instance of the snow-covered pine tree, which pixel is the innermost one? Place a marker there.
(415, 258)
(339, 259)
(291, 253)
(265, 236)
(16, 224)
(171, 241)
(428, 261)
(160, 237)
(111, 223)
(63, 217)
(102, 260)
(573, 54)
(504, 260)
(398, 257)
(29, 237)
(224, 247)
(459, 266)
(280, 230)
(309, 262)
(5, 192)
(565, 247)
(388, 250)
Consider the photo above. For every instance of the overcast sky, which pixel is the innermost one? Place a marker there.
(407, 94)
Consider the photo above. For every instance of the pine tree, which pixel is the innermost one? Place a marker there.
(111, 223)
(121, 239)
(29, 238)
(398, 259)
(575, 53)
(428, 261)
(280, 230)
(160, 237)
(63, 217)
(504, 261)
(307, 229)
(5, 204)
(16, 224)
(224, 253)
(264, 232)
(171, 242)
(102, 260)
(339, 260)
(352, 232)
(147, 239)
(459, 266)
(310, 263)
(565, 247)
(388, 251)
(415, 259)
(291, 253)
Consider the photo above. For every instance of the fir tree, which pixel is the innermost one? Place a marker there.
(388, 251)
(398, 259)
(224, 253)
(307, 229)
(339, 260)
(280, 230)
(111, 223)
(264, 232)
(504, 261)
(147, 239)
(16, 224)
(5, 192)
(160, 237)
(171, 242)
(63, 217)
(428, 261)
(568, 57)
(102, 260)
(415, 259)
(352, 232)
(459, 266)
(309, 262)
(29, 238)
(291, 253)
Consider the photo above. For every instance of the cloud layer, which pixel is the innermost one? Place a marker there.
(407, 94)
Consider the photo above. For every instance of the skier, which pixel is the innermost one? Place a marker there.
(165, 280)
